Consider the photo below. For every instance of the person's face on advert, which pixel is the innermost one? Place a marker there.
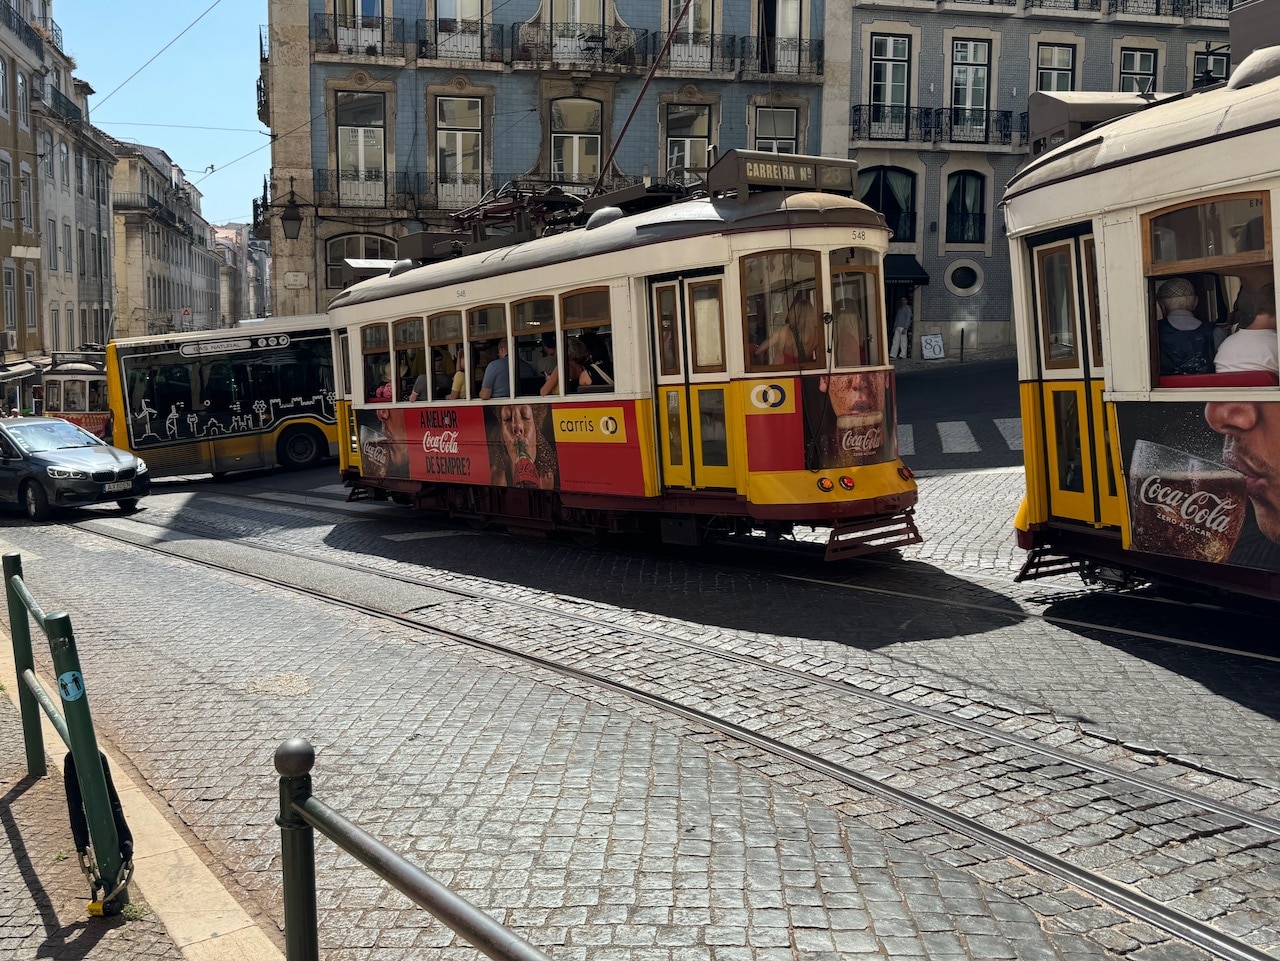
(1252, 447)
(517, 424)
(851, 393)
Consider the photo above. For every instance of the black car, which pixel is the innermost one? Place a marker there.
(47, 462)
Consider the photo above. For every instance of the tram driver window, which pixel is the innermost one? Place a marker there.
(53, 396)
(855, 309)
(781, 313)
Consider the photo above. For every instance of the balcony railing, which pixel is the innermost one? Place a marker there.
(888, 122)
(781, 57)
(903, 226)
(358, 36)
(24, 31)
(63, 106)
(966, 228)
(459, 40)
(1089, 6)
(697, 52)
(587, 44)
(264, 106)
(1151, 8)
(49, 29)
(264, 44)
(1209, 9)
(976, 126)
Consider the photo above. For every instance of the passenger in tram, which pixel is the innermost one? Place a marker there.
(583, 371)
(798, 338)
(600, 360)
(546, 363)
(497, 382)
(1254, 346)
(458, 388)
(1186, 342)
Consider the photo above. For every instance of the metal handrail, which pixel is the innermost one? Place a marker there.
(301, 814)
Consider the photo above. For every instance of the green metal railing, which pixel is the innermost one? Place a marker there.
(97, 820)
(300, 813)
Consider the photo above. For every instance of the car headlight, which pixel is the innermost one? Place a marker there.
(66, 473)
(142, 466)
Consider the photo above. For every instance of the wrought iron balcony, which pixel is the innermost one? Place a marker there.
(48, 28)
(1090, 6)
(781, 57)
(966, 228)
(28, 34)
(358, 36)
(459, 40)
(264, 44)
(697, 52)
(903, 225)
(887, 122)
(1209, 9)
(976, 126)
(1150, 8)
(371, 188)
(63, 106)
(585, 44)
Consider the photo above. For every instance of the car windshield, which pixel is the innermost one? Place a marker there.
(55, 435)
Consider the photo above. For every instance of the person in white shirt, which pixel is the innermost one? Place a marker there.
(1254, 346)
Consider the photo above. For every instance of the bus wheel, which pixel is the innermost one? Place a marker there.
(128, 504)
(35, 501)
(300, 448)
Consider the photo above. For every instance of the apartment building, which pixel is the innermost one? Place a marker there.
(389, 117)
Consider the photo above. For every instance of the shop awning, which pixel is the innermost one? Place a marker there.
(904, 269)
(17, 371)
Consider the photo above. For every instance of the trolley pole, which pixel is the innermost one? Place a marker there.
(20, 628)
(89, 766)
(294, 760)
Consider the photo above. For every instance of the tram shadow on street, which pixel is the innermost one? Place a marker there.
(1175, 636)
(865, 603)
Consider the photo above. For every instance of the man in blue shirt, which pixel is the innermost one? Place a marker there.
(497, 382)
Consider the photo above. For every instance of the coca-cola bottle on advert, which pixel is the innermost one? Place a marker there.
(524, 471)
(1183, 505)
(857, 400)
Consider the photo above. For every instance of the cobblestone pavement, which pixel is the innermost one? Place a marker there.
(592, 826)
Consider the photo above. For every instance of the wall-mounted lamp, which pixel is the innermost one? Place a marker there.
(933, 226)
(291, 216)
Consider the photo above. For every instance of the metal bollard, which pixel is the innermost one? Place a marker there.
(20, 628)
(294, 760)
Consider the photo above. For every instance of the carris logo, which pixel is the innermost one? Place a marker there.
(769, 396)
(609, 425)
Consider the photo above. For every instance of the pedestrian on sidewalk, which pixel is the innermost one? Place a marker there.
(902, 329)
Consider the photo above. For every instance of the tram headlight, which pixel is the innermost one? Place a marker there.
(142, 466)
(66, 473)
(906, 473)
(846, 482)
(826, 485)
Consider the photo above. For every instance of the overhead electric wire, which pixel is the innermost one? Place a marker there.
(157, 53)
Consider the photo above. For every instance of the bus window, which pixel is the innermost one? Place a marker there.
(781, 311)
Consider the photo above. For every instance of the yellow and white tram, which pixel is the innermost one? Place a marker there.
(725, 366)
(1144, 301)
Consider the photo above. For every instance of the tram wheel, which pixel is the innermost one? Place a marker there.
(35, 501)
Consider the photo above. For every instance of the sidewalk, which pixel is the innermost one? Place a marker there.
(911, 365)
(177, 912)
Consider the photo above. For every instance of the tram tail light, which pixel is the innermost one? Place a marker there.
(906, 473)
(826, 485)
(847, 483)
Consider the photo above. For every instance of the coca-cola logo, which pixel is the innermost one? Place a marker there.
(1200, 507)
(445, 442)
(376, 454)
(863, 441)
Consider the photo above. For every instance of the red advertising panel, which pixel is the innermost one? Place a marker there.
(775, 439)
(599, 448)
(848, 419)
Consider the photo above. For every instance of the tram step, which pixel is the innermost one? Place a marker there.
(358, 494)
(868, 536)
(1042, 562)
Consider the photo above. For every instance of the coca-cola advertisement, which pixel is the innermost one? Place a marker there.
(522, 446)
(424, 443)
(1202, 480)
(848, 419)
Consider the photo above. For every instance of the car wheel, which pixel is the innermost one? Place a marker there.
(128, 504)
(301, 448)
(35, 501)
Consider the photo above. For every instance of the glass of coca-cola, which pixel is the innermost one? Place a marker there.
(1183, 505)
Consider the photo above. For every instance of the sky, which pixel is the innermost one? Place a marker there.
(196, 101)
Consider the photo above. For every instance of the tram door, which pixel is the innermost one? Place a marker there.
(1079, 438)
(691, 397)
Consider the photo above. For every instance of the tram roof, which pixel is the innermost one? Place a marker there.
(1194, 120)
(690, 218)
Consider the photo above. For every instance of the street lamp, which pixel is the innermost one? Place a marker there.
(291, 216)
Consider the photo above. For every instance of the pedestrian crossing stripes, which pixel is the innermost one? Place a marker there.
(958, 436)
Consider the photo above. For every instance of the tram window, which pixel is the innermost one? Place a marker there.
(711, 423)
(1093, 307)
(53, 396)
(586, 313)
(445, 335)
(708, 326)
(781, 307)
(73, 395)
(1234, 226)
(855, 316)
(1066, 418)
(97, 395)
(531, 322)
(375, 351)
(1057, 306)
(669, 352)
(410, 354)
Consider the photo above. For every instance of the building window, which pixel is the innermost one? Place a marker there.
(575, 140)
(51, 244)
(970, 62)
(688, 140)
(354, 247)
(776, 130)
(586, 12)
(46, 154)
(66, 248)
(94, 262)
(78, 163)
(29, 285)
(4, 84)
(1056, 67)
(361, 120)
(80, 249)
(1137, 71)
(24, 101)
(966, 208)
(890, 75)
(459, 151)
(690, 47)
(10, 298)
(892, 191)
(64, 165)
(6, 192)
(24, 194)
(1210, 67)
(53, 328)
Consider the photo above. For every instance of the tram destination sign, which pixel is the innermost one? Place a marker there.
(752, 170)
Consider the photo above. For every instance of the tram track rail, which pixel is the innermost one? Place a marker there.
(1122, 896)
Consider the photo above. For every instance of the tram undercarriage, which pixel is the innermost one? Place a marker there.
(689, 518)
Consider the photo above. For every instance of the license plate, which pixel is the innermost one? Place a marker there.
(119, 486)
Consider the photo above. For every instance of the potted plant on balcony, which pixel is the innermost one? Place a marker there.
(371, 50)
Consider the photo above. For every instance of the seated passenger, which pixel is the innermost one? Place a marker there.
(1254, 345)
(798, 339)
(1186, 342)
(583, 372)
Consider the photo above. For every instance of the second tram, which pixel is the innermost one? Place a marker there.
(75, 389)
(1144, 272)
(723, 357)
